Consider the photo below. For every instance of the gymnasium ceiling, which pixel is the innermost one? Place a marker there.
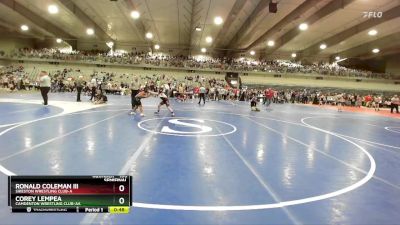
(247, 24)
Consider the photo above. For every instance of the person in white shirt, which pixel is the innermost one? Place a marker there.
(93, 84)
(340, 101)
(377, 102)
(44, 82)
(164, 101)
(79, 86)
(202, 94)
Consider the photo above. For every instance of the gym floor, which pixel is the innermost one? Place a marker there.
(214, 164)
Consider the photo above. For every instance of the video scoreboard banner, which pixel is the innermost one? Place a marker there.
(62, 194)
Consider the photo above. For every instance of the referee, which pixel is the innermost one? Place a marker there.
(202, 91)
(135, 86)
(44, 82)
(79, 85)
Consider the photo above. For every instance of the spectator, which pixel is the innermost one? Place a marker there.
(394, 104)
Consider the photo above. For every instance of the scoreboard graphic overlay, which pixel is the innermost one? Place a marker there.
(63, 194)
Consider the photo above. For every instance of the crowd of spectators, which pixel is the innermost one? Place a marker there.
(15, 78)
(238, 64)
(319, 97)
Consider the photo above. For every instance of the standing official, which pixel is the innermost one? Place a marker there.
(93, 84)
(79, 85)
(202, 94)
(45, 83)
(135, 86)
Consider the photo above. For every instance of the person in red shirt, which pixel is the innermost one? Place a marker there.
(196, 91)
(368, 100)
(235, 92)
(269, 94)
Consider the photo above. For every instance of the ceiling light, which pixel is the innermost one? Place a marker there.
(375, 50)
(156, 46)
(59, 40)
(303, 26)
(198, 28)
(337, 57)
(149, 35)
(135, 14)
(209, 39)
(89, 31)
(372, 32)
(24, 27)
(203, 50)
(252, 52)
(322, 46)
(218, 20)
(53, 9)
(271, 43)
(294, 55)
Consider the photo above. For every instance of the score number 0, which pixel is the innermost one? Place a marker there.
(121, 200)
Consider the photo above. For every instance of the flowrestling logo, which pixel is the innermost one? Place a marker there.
(186, 127)
(372, 14)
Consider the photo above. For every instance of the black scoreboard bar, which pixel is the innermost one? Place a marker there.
(67, 194)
